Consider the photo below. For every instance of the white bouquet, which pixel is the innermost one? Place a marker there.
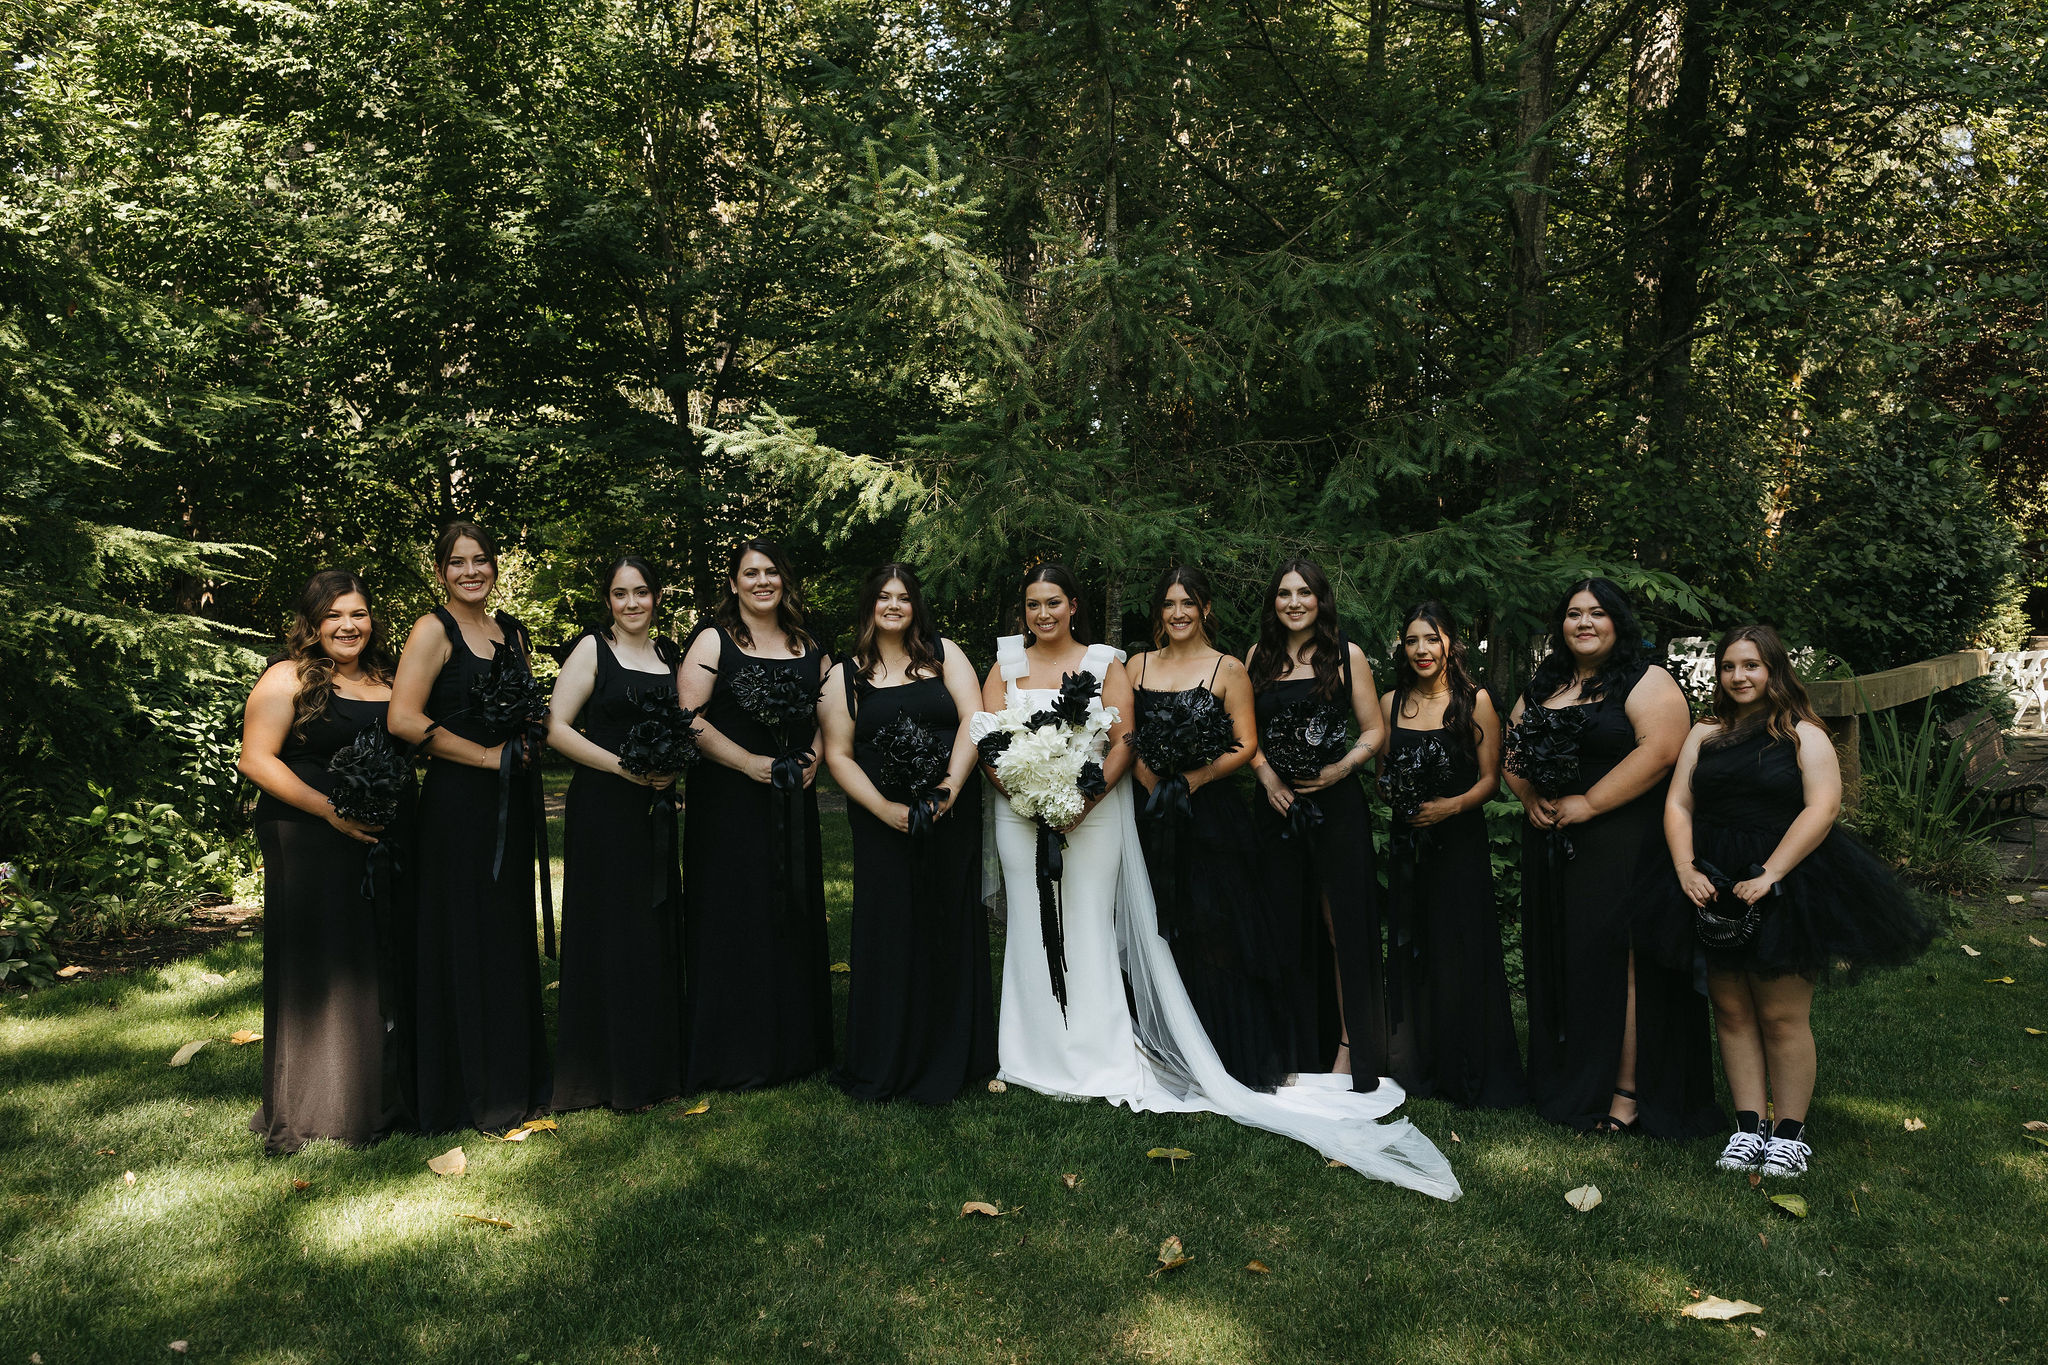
(1049, 761)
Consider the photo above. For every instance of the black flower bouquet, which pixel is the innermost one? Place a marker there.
(511, 703)
(663, 740)
(1543, 747)
(1305, 737)
(786, 705)
(1415, 774)
(1183, 731)
(911, 760)
(369, 777)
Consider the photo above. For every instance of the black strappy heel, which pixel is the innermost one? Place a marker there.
(1610, 1124)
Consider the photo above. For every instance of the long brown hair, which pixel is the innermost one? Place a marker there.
(1196, 584)
(1061, 577)
(1785, 699)
(919, 639)
(315, 667)
(789, 612)
(1464, 693)
(1273, 662)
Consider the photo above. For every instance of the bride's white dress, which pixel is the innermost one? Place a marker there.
(1158, 1059)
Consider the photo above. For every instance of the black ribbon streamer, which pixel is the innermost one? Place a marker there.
(662, 806)
(1303, 818)
(1051, 927)
(510, 757)
(1171, 812)
(786, 776)
(1408, 931)
(382, 857)
(924, 812)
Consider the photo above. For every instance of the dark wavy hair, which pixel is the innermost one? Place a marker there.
(1559, 664)
(314, 666)
(1785, 699)
(664, 648)
(789, 612)
(1197, 585)
(920, 641)
(1463, 701)
(444, 544)
(1061, 577)
(1272, 662)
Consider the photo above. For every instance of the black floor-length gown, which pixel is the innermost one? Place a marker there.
(482, 1045)
(1204, 865)
(335, 1026)
(619, 1018)
(1446, 985)
(1839, 908)
(759, 1001)
(1333, 860)
(1578, 886)
(920, 1009)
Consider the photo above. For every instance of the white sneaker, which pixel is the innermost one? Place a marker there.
(1785, 1157)
(1743, 1152)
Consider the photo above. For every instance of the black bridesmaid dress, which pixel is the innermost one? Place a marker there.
(482, 1046)
(1576, 901)
(619, 1020)
(1303, 866)
(1840, 908)
(1216, 915)
(1447, 990)
(920, 1008)
(335, 1035)
(758, 1008)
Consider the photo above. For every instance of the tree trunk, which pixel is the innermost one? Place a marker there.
(1535, 82)
(1679, 303)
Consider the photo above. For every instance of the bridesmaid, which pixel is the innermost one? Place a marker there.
(481, 1046)
(1199, 846)
(334, 1063)
(619, 1025)
(1446, 951)
(1310, 685)
(758, 1003)
(1615, 1044)
(1751, 826)
(920, 1014)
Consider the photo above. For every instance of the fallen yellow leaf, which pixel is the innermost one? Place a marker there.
(479, 1218)
(984, 1209)
(2031, 1125)
(1258, 1267)
(1971, 951)
(1718, 1309)
(128, 1178)
(186, 1053)
(2037, 1033)
(2000, 981)
(1070, 1180)
(2015, 900)
(1915, 1126)
(2036, 942)
(1791, 1203)
(1585, 1198)
(104, 1151)
(841, 967)
(1173, 1156)
(1172, 1256)
(996, 1087)
(700, 1107)
(68, 972)
(1758, 1330)
(450, 1162)
(516, 1135)
(1337, 1165)
(242, 1037)
(541, 1126)
(1455, 1137)
(180, 1346)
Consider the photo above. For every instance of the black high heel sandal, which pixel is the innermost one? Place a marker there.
(1612, 1124)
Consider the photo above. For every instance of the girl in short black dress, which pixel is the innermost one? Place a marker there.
(758, 1002)
(619, 1017)
(920, 1008)
(1315, 825)
(482, 1052)
(335, 912)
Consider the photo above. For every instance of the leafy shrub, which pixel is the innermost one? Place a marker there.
(1918, 810)
(126, 869)
(26, 927)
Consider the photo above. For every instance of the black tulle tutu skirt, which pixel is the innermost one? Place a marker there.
(1841, 909)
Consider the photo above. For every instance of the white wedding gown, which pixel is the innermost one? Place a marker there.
(1159, 1060)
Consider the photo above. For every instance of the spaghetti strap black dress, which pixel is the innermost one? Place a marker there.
(482, 1046)
(1304, 864)
(1448, 990)
(1204, 865)
(619, 1021)
(335, 954)
(1578, 887)
(758, 1004)
(920, 1005)
(1840, 908)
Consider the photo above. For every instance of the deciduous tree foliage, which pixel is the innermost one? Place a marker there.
(1739, 303)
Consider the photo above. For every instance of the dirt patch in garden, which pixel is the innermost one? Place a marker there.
(208, 927)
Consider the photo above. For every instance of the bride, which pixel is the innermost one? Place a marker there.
(1145, 1048)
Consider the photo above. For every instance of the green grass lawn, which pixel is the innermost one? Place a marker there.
(796, 1225)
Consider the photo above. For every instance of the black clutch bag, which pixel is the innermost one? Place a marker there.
(1717, 930)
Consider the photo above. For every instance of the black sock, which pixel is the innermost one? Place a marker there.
(1790, 1128)
(1749, 1121)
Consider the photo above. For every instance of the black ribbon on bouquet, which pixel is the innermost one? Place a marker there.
(382, 857)
(1170, 811)
(1408, 927)
(924, 811)
(1303, 818)
(510, 758)
(786, 776)
(1549, 908)
(1051, 867)
(662, 805)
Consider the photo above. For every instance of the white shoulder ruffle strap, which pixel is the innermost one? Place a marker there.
(1098, 657)
(1010, 657)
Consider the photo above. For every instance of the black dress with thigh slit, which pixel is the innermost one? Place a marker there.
(619, 1023)
(920, 1007)
(336, 920)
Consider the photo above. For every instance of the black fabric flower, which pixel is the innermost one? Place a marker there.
(1182, 731)
(1304, 737)
(1543, 747)
(1070, 707)
(1093, 783)
(663, 740)
(779, 700)
(510, 701)
(992, 745)
(910, 759)
(369, 776)
(1417, 773)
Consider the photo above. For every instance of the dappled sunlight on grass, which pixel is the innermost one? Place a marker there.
(1167, 1326)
